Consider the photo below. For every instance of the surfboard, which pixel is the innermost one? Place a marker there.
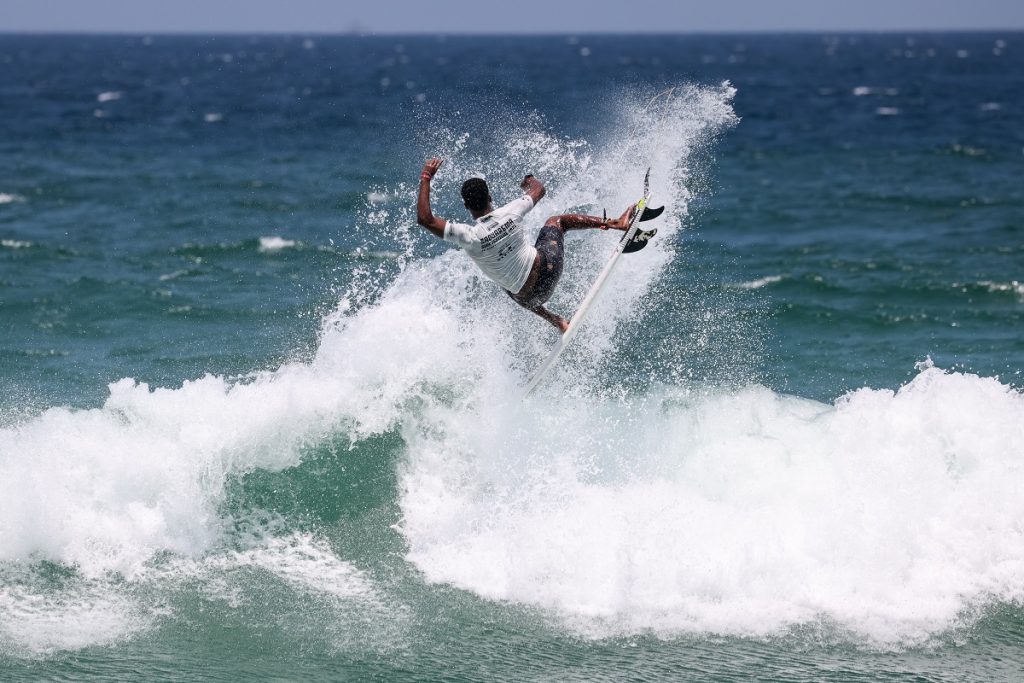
(632, 240)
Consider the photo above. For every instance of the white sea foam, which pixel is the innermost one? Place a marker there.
(307, 563)
(891, 515)
(109, 96)
(38, 623)
(15, 244)
(275, 243)
(10, 198)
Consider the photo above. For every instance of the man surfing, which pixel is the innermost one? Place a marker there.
(498, 244)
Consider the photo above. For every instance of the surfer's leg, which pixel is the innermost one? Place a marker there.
(547, 269)
(546, 272)
(558, 321)
(553, 318)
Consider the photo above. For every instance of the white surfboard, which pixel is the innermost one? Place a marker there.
(595, 290)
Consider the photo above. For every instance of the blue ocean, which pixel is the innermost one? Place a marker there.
(256, 424)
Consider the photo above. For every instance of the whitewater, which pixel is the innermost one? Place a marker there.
(624, 498)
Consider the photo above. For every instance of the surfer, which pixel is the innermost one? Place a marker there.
(498, 244)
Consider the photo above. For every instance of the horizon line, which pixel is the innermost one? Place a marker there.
(369, 33)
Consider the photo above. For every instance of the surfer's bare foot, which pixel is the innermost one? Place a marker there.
(563, 325)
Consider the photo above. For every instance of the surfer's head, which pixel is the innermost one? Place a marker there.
(476, 195)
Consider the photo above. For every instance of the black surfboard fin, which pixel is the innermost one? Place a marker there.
(650, 214)
(639, 241)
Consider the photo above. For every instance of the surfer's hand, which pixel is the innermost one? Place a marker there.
(622, 222)
(430, 168)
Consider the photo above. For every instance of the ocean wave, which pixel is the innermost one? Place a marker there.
(8, 198)
(890, 515)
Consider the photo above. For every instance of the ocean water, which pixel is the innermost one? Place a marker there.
(255, 423)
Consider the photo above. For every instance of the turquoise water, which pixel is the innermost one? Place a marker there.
(255, 422)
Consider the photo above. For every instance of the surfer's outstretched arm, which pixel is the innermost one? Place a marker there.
(576, 221)
(424, 216)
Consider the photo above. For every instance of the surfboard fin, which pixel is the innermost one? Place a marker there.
(650, 214)
(640, 240)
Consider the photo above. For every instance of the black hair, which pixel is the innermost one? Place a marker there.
(475, 194)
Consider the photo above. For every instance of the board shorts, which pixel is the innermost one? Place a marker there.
(551, 250)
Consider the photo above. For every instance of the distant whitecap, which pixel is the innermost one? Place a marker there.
(862, 90)
(213, 117)
(275, 243)
(109, 96)
(15, 244)
(760, 282)
(888, 111)
(1012, 287)
(10, 198)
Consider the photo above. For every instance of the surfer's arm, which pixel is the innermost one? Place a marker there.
(577, 221)
(424, 216)
(533, 188)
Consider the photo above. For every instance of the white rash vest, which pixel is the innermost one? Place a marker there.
(498, 244)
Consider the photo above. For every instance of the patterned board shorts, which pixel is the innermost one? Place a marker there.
(550, 247)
